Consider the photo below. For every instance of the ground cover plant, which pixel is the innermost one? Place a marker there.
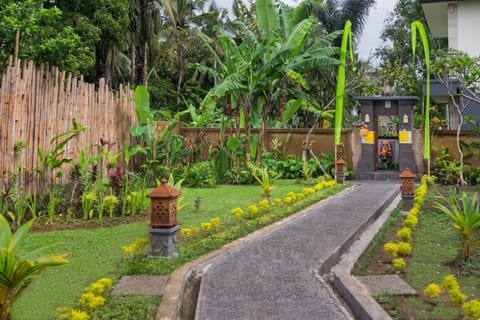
(436, 261)
(97, 253)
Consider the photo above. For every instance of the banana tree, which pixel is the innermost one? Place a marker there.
(287, 55)
(16, 273)
(269, 57)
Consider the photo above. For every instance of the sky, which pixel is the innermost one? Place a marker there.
(370, 38)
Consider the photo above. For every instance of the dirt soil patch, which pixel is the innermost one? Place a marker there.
(74, 224)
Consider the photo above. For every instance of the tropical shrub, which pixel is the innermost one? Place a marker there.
(16, 273)
(445, 170)
(200, 174)
(265, 179)
(464, 212)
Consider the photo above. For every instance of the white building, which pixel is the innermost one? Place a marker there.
(459, 21)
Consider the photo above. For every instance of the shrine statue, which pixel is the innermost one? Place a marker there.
(386, 151)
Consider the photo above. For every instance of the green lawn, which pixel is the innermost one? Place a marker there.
(436, 251)
(97, 253)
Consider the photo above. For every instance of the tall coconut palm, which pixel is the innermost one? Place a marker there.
(145, 25)
(185, 19)
(332, 14)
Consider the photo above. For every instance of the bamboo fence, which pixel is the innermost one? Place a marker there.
(36, 104)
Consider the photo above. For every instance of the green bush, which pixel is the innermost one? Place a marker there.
(200, 174)
(290, 168)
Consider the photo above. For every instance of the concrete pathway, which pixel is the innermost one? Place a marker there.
(277, 275)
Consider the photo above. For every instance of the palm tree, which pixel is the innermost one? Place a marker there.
(145, 26)
(185, 20)
(332, 14)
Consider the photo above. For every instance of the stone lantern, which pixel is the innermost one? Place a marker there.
(163, 220)
(164, 206)
(340, 170)
(407, 189)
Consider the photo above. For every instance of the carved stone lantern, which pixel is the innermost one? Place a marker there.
(407, 188)
(408, 182)
(340, 170)
(163, 221)
(164, 206)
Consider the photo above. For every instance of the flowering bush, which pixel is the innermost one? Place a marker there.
(471, 310)
(450, 282)
(319, 186)
(404, 234)
(414, 211)
(411, 221)
(263, 205)
(292, 195)
(288, 200)
(206, 225)
(399, 264)
(457, 296)
(110, 202)
(237, 212)
(390, 248)
(404, 248)
(215, 222)
(307, 191)
(186, 231)
(137, 247)
(252, 209)
(432, 291)
(71, 314)
(99, 287)
(299, 196)
(91, 300)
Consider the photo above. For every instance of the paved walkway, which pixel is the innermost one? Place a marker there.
(276, 275)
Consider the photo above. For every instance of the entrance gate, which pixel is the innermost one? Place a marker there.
(387, 144)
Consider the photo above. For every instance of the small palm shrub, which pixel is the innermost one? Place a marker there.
(16, 273)
(464, 212)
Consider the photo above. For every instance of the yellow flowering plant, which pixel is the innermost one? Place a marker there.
(471, 309)
(215, 222)
(91, 301)
(237, 212)
(404, 248)
(206, 225)
(263, 205)
(252, 209)
(399, 264)
(450, 282)
(71, 314)
(456, 296)
(110, 202)
(186, 231)
(404, 234)
(390, 248)
(137, 248)
(432, 291)
(88, 201)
